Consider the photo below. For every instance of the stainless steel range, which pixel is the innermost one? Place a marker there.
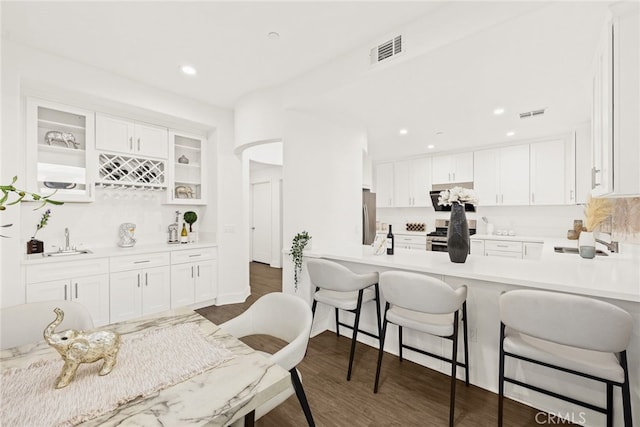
(437, 240)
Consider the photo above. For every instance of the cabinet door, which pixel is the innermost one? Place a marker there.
(477, 247)
(93, 293)
(462, 167)
(55, 290)
(514, 175)
(531, 250)
(421, 182)
(206, 275)
(402, 195)
(114, 134)
(156, 290)
(60, 151)
(188, 174)
(125, 295)
(182, 284)
(441, 170)
(384, 185)
(548, 173)
(515, 255)
(152, 141)
(485, 179)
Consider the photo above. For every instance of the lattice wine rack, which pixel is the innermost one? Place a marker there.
(130, 172)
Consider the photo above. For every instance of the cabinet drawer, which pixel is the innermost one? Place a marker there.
(193, 255)
(418, 240)
(134, 262)
(499, 245)
(504, 254)
(66, 270)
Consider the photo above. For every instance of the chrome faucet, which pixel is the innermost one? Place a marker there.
(612, 246)
(66, 237)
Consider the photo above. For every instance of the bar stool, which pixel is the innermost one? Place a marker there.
(570, 333)
(339, 287)
(427, 305)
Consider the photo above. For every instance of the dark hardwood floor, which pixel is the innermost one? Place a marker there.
(409, 395)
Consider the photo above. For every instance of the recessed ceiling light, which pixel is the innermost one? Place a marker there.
(431, 146)
(273, 35)
(403, 131)
(188, 70)
(498, 111)
(440, 132)
(511, 133)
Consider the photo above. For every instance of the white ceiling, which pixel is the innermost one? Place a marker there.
(539, 57)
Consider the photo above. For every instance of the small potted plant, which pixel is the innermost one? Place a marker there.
(190, 218)
(298, 244)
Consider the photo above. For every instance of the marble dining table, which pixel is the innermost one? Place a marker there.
(218, 396)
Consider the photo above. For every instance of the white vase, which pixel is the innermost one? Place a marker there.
(587, 244)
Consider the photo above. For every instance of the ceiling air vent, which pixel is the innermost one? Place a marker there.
(533, 113)
(386, 50)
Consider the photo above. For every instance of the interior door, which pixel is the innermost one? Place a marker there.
(261, 222)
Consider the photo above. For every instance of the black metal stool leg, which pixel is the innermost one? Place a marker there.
(400, 342)
(383, 335)
(355, 333)
(377, 289)
(501, 376)
(609, 405)
(302, 397)
(337, 323)
(626, 391)
(466, 343)
(454, 365)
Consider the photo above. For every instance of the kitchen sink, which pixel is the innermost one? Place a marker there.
(70, 252)
(566, 250)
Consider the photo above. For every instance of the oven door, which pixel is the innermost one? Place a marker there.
(437, 246)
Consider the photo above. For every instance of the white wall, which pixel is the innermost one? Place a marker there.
(259, 117)
(272, 175)
(322, 176)
(30, 72)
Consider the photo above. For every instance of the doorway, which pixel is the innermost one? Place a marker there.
(261, 228)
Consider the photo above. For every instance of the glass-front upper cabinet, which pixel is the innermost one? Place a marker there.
(60, 142)
(186, 160)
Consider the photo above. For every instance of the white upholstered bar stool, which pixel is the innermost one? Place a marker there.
(570, 333)
(25, 323)
(341, 288)
(288, 318)
(427, 305)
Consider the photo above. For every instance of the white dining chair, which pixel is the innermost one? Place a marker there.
(571, 333)
(285, 317)
(428, 305)
(25, 323)
(342, 289)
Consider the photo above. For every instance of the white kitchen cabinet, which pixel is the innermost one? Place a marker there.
(501, 176)
(186, 159)
(140, 285)
(477, 247)
(59, 151)
(616, 105)
(531, 250)
(552, 172)
(415, 242)
(129, 137)
(193, 276)
(384, 185)
(452, 168)
(411, 182)
(85, 281)
(503, 249)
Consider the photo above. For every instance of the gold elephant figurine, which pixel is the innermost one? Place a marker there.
(78, 347)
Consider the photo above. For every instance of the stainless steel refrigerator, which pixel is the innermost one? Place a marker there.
(368, 217)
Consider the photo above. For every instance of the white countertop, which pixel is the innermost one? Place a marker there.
(112, 251)
(616, 276)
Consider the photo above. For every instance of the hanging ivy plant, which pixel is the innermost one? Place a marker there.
(300, 240)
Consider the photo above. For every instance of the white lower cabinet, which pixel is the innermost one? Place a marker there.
(531, 250)
(194, 276)
(86, 282)
(506, 248)
(136, 290)
(410, 242)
